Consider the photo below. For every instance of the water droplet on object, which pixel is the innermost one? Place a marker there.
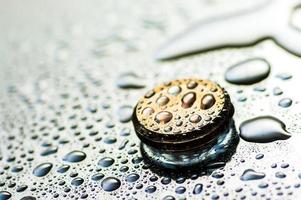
(42, 169)
(174, 90)
(110, 184)
(163, 117)
(147, 111)
(195, 118)
(125, 114)
(75, 156)
(106, 162)
(248, 72)
(286, 102)
(4, 195)
(130, 81)
(207, 101)
(263, 129)
(149, 94)
(192, 84)
(163, 100)
(251, 174)
(188, 99)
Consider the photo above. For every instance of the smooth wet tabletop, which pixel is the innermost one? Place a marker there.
(71, 74)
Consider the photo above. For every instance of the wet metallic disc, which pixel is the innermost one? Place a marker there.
(182, 114)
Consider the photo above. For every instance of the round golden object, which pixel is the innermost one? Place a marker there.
(182, 114)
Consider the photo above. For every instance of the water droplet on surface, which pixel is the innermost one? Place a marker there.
(125, 114)
(207, 101)
(284, 76)
(106, 162)
(248, 72)
(263, 129)
(259, 156)
(280, 175)
(285, 102)
(21, 188)
(163, 117)
(42, 169)
(132, 177)
(110, 184)
(49, 151)
(198, 188)
(4, 195)
(75, 156)
(77, 181)
(130, 81)
(251, 174)
(263, 185)
(180, 190)
(63, 168)
(277, 91)
(188, 99)
(150, 189)
(97, 177)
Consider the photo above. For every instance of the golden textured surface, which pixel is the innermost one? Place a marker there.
(184, 115)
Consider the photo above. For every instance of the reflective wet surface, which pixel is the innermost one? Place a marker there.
(69, 78)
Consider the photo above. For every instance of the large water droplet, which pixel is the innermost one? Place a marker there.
(4, 195)
(42, 169)
(263, 129)
(75, 156)
(251, 174)
(248, 72)
(110, 184)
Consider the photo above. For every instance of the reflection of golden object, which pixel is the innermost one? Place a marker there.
(189, 109)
